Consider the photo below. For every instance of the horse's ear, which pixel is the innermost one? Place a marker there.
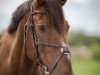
(39, 2)
(62, 2)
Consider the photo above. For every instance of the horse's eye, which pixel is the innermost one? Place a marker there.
(43, 28)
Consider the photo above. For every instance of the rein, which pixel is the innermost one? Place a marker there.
(64, 49)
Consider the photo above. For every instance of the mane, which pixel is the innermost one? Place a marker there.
(55, 12)
(56, 15)
(17, 16)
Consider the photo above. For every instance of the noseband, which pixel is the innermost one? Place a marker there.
(37, 43)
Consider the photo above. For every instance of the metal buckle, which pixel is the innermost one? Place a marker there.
(66, 52)
(44, 70)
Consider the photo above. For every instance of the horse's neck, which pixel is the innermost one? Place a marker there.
(17, 48)
(18, 57)
(0, 40)
(26, 64)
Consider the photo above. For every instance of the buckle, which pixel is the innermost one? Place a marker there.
(66, 51)
(44, 70)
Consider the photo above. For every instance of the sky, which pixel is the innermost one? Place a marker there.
(82, 15)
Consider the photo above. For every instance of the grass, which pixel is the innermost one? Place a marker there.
(86, 67)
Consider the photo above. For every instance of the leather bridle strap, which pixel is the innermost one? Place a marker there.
(37, 43)
(56, 64)
(35, 39)
(38, 12)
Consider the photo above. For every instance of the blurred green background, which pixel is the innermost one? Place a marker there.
(85, 53)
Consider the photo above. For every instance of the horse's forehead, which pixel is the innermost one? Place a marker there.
(39, 8)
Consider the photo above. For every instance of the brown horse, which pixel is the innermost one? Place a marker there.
(35, 43)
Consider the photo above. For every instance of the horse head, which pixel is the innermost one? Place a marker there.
(45, 33)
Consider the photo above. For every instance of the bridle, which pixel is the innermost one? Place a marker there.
(64, 49)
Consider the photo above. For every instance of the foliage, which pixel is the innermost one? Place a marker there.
(91, 42)
(95, 47)
(82, 39)
(86, 67)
